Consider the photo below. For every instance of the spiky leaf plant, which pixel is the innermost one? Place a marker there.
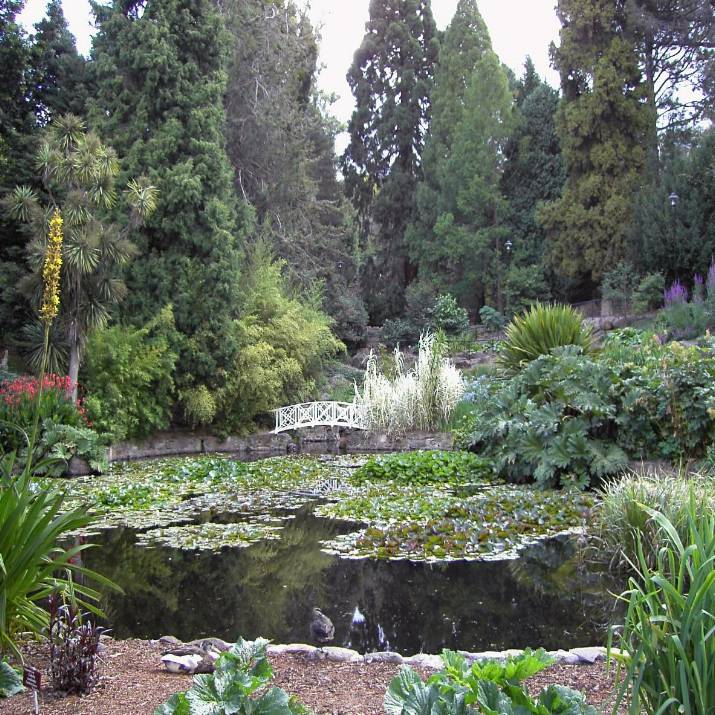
(538, 331)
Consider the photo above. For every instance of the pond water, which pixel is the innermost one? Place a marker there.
(268, 589)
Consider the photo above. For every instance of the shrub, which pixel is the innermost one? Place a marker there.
(617, 287)
(488, 686)
(199, 405)
(283, 341)
(649, 293)
(62, 442)
(446, 315)
(399, 331)
(538, 331)
(553, 422)
(624, 522)
(74, 642)
(421, 398)
(664, 393)
(524, 286)
(349, 314)
(234, 687)
(491, 318)
(128, 374)
(668, 633)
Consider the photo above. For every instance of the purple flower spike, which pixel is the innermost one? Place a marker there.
(710, 284)
(677, 293)
(698, 290)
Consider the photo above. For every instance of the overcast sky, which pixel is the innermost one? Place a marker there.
(518, 28)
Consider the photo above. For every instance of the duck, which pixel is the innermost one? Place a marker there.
(322, 629)
(196, 657)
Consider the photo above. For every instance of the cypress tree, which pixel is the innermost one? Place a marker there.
(57, 76)
(602, 123)
(159, 70)
(391, 80)
(458, 232)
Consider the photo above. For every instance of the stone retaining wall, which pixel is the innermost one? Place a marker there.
(169, 444)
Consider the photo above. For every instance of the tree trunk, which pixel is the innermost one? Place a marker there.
(73, 371)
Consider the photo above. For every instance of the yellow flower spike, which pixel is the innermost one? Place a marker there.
(51, 270)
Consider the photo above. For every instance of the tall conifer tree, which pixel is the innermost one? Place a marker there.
(602, 123)
(57, 77)
(159, 69)
(391, 80)
(457, 234)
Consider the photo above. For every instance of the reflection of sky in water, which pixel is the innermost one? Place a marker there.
(269, 589)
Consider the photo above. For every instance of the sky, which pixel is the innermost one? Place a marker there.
(517, 27)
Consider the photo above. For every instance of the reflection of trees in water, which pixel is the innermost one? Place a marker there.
(269, 588)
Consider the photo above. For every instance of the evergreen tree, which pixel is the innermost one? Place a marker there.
(159, 71)
(601, 122)
(458, 235)
(17, 128)
(533, 173)
(463, 45)
(391, 80)
(57, 77)
(280, 141)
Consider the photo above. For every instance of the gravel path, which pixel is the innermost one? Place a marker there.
(133, 682)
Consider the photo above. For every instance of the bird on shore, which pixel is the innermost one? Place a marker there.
(322, 629)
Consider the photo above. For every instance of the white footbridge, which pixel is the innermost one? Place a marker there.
(320, 414)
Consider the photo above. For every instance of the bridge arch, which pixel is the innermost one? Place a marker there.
(320, 414)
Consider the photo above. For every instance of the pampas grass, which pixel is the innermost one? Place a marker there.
(422, 398)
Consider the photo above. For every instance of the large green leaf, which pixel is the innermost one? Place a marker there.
(10, 681)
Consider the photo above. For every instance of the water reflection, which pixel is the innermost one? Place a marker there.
(269, 588)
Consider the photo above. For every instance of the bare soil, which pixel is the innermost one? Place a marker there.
(132, 681)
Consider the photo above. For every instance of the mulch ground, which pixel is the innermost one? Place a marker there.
(133, 682)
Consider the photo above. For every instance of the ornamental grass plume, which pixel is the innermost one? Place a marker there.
(51, 271)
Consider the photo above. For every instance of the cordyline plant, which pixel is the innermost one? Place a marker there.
(33, 521)
(83, 253)
(422, 398)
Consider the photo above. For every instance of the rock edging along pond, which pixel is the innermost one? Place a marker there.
(573, 656)
(177, 443)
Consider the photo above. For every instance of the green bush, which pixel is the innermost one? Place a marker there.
(430, 467)
(449, 317)
(649, 293)
(553, 422)
(128, 374)
(347, 309)
(668, 639)
(399, 332)
(617, 287)
(484, 687)
(235, 687)
(62, 442)
(283, 341)
(664, 395)
(524, 286)
(491, 318)
(199, 406)
(538, 331)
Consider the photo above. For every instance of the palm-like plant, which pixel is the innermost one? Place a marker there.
(79, 174)
(538, 331)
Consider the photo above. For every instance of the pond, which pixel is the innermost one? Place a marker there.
(231, 561)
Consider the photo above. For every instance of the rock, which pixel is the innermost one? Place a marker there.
(565, 656)
(208, 644)
(422, 660)
(383, 657)
(341, 655)
(291, 649)
(169, 641)
(589, 655)
(489, 655)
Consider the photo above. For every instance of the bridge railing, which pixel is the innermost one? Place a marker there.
(320, 414)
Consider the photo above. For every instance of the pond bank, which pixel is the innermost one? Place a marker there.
(264, 444)
(133, 682)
